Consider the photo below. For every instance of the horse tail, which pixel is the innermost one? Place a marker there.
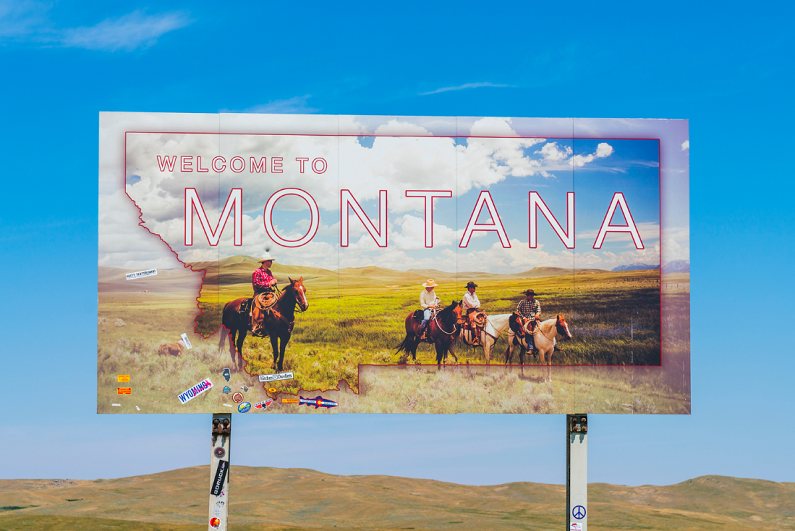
(403, 345)
(224, 334)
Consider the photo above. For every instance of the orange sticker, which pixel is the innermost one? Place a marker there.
(123, 377)
(290, 401)
(124, 390)
(272, 390)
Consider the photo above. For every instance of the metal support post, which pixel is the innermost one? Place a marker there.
(219, 472)
(577, 472)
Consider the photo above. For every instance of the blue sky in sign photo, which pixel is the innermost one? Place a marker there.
(729, 71)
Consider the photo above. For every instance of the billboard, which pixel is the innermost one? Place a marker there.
(375, 264)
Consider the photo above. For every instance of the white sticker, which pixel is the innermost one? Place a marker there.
(186, 341)
(275, 377)
(196, 390)
(229, 405)
(575, 526)
(117, 405)
(136, 407)
(141, 274)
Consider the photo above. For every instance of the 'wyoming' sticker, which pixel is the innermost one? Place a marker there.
(195, 391)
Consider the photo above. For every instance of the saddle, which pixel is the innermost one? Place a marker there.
(245, 307)
(248, 305)
(418, 315)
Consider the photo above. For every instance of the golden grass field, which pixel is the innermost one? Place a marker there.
(272, 499)
(356, 319)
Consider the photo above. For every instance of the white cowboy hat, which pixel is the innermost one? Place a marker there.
(430, 284)
(265, 257)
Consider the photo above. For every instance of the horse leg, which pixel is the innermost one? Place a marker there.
(282, 349)
(548, 362)
(232, 348)
(452, 353)
(240, 338)
(440, 352)
(275, 347)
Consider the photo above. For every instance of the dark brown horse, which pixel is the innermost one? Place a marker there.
(278, 323)
(442, 332)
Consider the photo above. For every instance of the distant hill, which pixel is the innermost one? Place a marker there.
(677, 266)
(113, 279)
(536, 272)
(300, 499)
(635, 267)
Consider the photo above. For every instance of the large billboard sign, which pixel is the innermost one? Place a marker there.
(301, 263)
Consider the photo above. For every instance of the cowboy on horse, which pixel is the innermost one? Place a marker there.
(430, 304)
(264, 283)
(526, 318)
(471, 305)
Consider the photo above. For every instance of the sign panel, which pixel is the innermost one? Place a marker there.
(394, 264)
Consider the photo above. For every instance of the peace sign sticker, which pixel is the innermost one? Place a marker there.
(578, 512)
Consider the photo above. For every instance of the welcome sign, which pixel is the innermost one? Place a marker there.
(396, 264)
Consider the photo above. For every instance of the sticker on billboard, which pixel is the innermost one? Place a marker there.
(141, 274)
(275, 377)
(186, 341)
(523, 263)
(196, 390)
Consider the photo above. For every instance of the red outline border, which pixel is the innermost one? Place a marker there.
(358, 376)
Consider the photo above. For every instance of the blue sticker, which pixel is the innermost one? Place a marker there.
(578, 512)
(244, 407)
(227, 390)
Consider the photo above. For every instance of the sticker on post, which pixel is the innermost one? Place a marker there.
(195, 391)
(218, 479)
(276, 377)
(141, 274)
(575, 526)
(186, 341)
(215, 523)
(578, 512)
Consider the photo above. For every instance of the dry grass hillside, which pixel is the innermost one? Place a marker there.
(273, 499)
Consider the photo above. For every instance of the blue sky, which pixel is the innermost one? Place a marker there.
(728, 71)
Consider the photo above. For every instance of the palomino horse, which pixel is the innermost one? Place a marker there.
(495, 325)
(442, 331)
(544, 339)
(278, 323)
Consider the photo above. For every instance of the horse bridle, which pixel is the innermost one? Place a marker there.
(440, 326)
(296, 303)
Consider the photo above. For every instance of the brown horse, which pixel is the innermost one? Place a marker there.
(442, 332)
(278, 323)
(543, 339)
